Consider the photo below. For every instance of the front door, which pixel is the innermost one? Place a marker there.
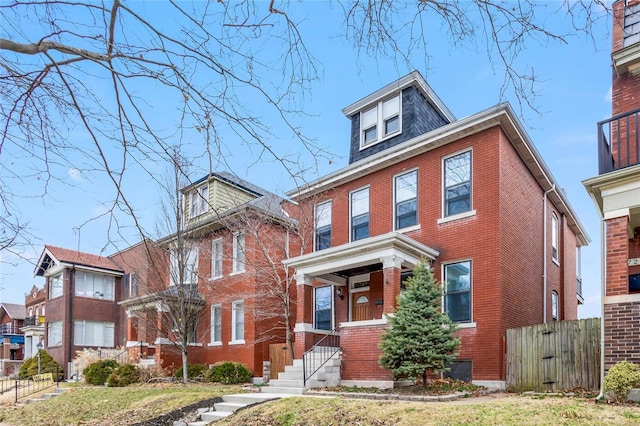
(360, 304)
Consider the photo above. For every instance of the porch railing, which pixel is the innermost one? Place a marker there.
(10, 329)
(320, 354)
(619, 141)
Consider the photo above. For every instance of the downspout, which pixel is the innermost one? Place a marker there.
(603, 264)
(544, 254)
(72, 289)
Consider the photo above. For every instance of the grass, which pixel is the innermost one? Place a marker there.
(87, 405)
(433, 387)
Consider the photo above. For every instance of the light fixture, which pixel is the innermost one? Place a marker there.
(339, 293)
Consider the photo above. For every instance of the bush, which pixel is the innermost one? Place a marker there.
(124, 375)
(620, 379)
(47, 365)
(149, 374)
(24, 368)
(194, 371)
(228, 372)
(98, 372)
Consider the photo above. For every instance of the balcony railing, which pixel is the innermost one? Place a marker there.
(618, 142)
(9, 329)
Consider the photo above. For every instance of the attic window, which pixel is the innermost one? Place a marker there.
(380, 122)
(199, 201)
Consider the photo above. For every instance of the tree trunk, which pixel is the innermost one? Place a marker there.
(185, 372)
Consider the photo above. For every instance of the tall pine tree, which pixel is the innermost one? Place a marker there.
(420, 338)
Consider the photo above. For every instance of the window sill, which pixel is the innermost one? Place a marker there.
(466, 325)
(195, 344)
(458, 216)
(382, 139)
(237, 273)
(236, 342)
(212, 344)
(409, 229)
(216, 278)
(555, 261)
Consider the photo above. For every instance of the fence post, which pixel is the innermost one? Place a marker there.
(16, 391)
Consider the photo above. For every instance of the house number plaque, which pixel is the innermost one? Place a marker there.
(633, 262)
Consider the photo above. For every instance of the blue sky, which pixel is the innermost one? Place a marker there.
(573, 95)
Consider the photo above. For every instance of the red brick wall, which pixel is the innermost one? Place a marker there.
(360, 354)
(622, 333)
(617, 253)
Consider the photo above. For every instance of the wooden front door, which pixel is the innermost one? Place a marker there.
(360, 306)
(279, 357)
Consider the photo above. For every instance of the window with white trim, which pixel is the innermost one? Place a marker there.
(55, 286)
(322, 312)
(360, 214)
(406, 199)
(322, 225)
(237, 321)
(457, 183)
(554, 306)
(216, 323)
(554, 237)
(54, 334)
(216, 258)
(380, 122)
(238, 252)
(199, 200)
(93, 333)
(96, 286)
(184, 268)
(457, 297)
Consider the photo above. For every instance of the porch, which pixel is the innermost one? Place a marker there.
(346, 291)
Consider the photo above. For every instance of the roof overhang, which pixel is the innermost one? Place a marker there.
(44, 267)
(627, 60)
(362, 253)
(500, 115)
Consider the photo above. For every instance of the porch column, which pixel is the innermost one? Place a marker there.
(161, 324)
(391, 272)
(617, 255)
(304, 308)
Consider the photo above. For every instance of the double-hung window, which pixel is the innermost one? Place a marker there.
(55, 286)
(406, 199)
(360, 214)
(457, 297)
(199, 200)
(97, 286)
(93, 333)
(184, 266)
(380, 122)
(237, 320)
(322, 313)
(554, 306)
(554, 236)
(238, 252)
(216, 258)
(216, 324)
(54, 334)
(457, 183)
(323, 225)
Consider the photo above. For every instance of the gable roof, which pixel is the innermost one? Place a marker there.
(52, 255)
(15, 311)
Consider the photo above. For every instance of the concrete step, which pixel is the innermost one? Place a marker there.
(282, 390)
(30, 400)
(248, 398)
(213, 416)
(229, 406)
(199, 423)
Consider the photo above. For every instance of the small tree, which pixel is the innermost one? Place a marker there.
(420, 337)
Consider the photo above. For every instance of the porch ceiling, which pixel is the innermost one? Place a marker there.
(362, 253)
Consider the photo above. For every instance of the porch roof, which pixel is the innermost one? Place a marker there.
(361, 253)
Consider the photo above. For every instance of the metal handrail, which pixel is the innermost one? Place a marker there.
(320, 354)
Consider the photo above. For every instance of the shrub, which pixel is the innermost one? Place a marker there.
(24, 368)
(153, 373)
(194, 371)
(229, 372)
(620, 379)
(124, 375)
(47, 365)
(97, 373)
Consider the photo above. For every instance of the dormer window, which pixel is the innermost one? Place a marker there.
(380, 122)
(198, 201)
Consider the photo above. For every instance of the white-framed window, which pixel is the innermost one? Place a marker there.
(31, 312)
(322, 308)
(55, 286)
(216, 258)
(359, 214)
(380, 122)
(96, 286)
(457, 296)
(54, 334)
(554, 306)
(554, 236)
(457, 183)
(216, 323)
(199, 200)
(184, 268)
(579, 270)
(237, 321)
(405, 193)
(238, 252)
(322, 219)
(131, 285)
(93, 333)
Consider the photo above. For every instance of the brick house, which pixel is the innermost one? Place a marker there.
(616, 193)
(471, 195)
(82, 291)
(33, 328)
(12, 337)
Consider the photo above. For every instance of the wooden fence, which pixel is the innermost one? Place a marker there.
(554, 356)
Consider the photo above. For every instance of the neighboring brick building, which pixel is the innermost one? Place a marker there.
(472, 196)
(33, 328)
(616, 193)
(11, 338)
